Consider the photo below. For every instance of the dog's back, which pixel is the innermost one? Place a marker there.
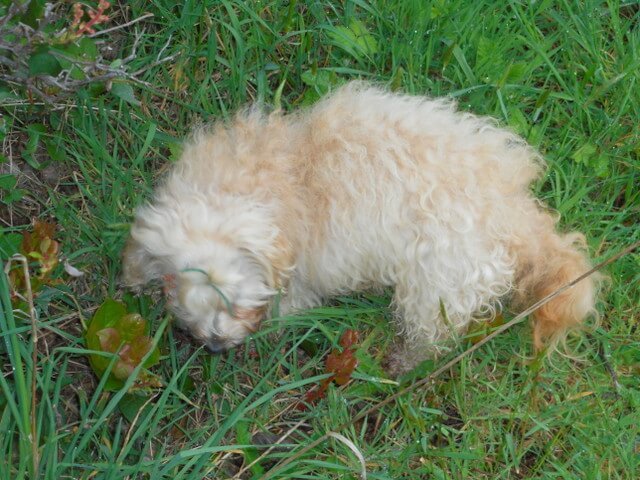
(437, 203)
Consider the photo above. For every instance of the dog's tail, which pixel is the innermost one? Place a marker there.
(547, 261)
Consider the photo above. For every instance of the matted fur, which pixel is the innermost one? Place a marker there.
(365, 189)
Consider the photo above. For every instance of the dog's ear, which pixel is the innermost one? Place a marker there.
(136, 264)
(282, 260)
(276, 263)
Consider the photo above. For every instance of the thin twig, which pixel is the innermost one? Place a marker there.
(429, 378)
(117, 27)
(155, 64)
(141, 410)
(164, 47)
(16, 8)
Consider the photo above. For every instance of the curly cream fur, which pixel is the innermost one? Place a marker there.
(365, 189)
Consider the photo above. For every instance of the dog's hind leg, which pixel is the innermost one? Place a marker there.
(442, 286)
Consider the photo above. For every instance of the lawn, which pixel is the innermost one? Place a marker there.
(563, 74)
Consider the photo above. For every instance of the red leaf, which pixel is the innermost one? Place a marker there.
(313, 395)
(109, 339)
(139, 347)
(40, 246)
(112, 329)
(348, 339)
(340, 364)
(345, 365)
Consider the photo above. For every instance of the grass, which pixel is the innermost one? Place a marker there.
(564, 74)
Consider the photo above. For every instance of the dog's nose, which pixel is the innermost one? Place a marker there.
(215, 345)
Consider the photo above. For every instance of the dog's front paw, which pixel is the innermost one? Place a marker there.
(400, 359)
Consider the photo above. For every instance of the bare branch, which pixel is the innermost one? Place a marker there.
(13, 59)
(15, 9)
(118, 27)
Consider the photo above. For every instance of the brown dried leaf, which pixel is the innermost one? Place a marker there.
(340, 364)
(40, 246)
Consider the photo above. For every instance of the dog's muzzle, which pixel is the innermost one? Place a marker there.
(216, 344)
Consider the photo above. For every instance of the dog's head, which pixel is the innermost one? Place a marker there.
(217, 259)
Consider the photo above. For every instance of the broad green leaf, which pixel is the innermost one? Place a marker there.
(113, 330)
(175, 149)
(584, 153)
(71, 54)
(600, 163)
(132, 326)
(398, 79)
(106, 316)
(99, 338)
(9, 244)
(13, 196)
(94, 89)
(7, 181)
(486, 52)
(54, 149)
(36, 129)
(439, 8)
(518, 121)
(321, 81)
(34, 132)
(85, 49)
(34, 13)
(131, 404)
(542, 98)
(516, 72)
(448, 53)
(354, 39)
(124, 91)
(243, 436)
(44, 64)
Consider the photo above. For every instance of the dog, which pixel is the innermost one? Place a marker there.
(366, 189)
